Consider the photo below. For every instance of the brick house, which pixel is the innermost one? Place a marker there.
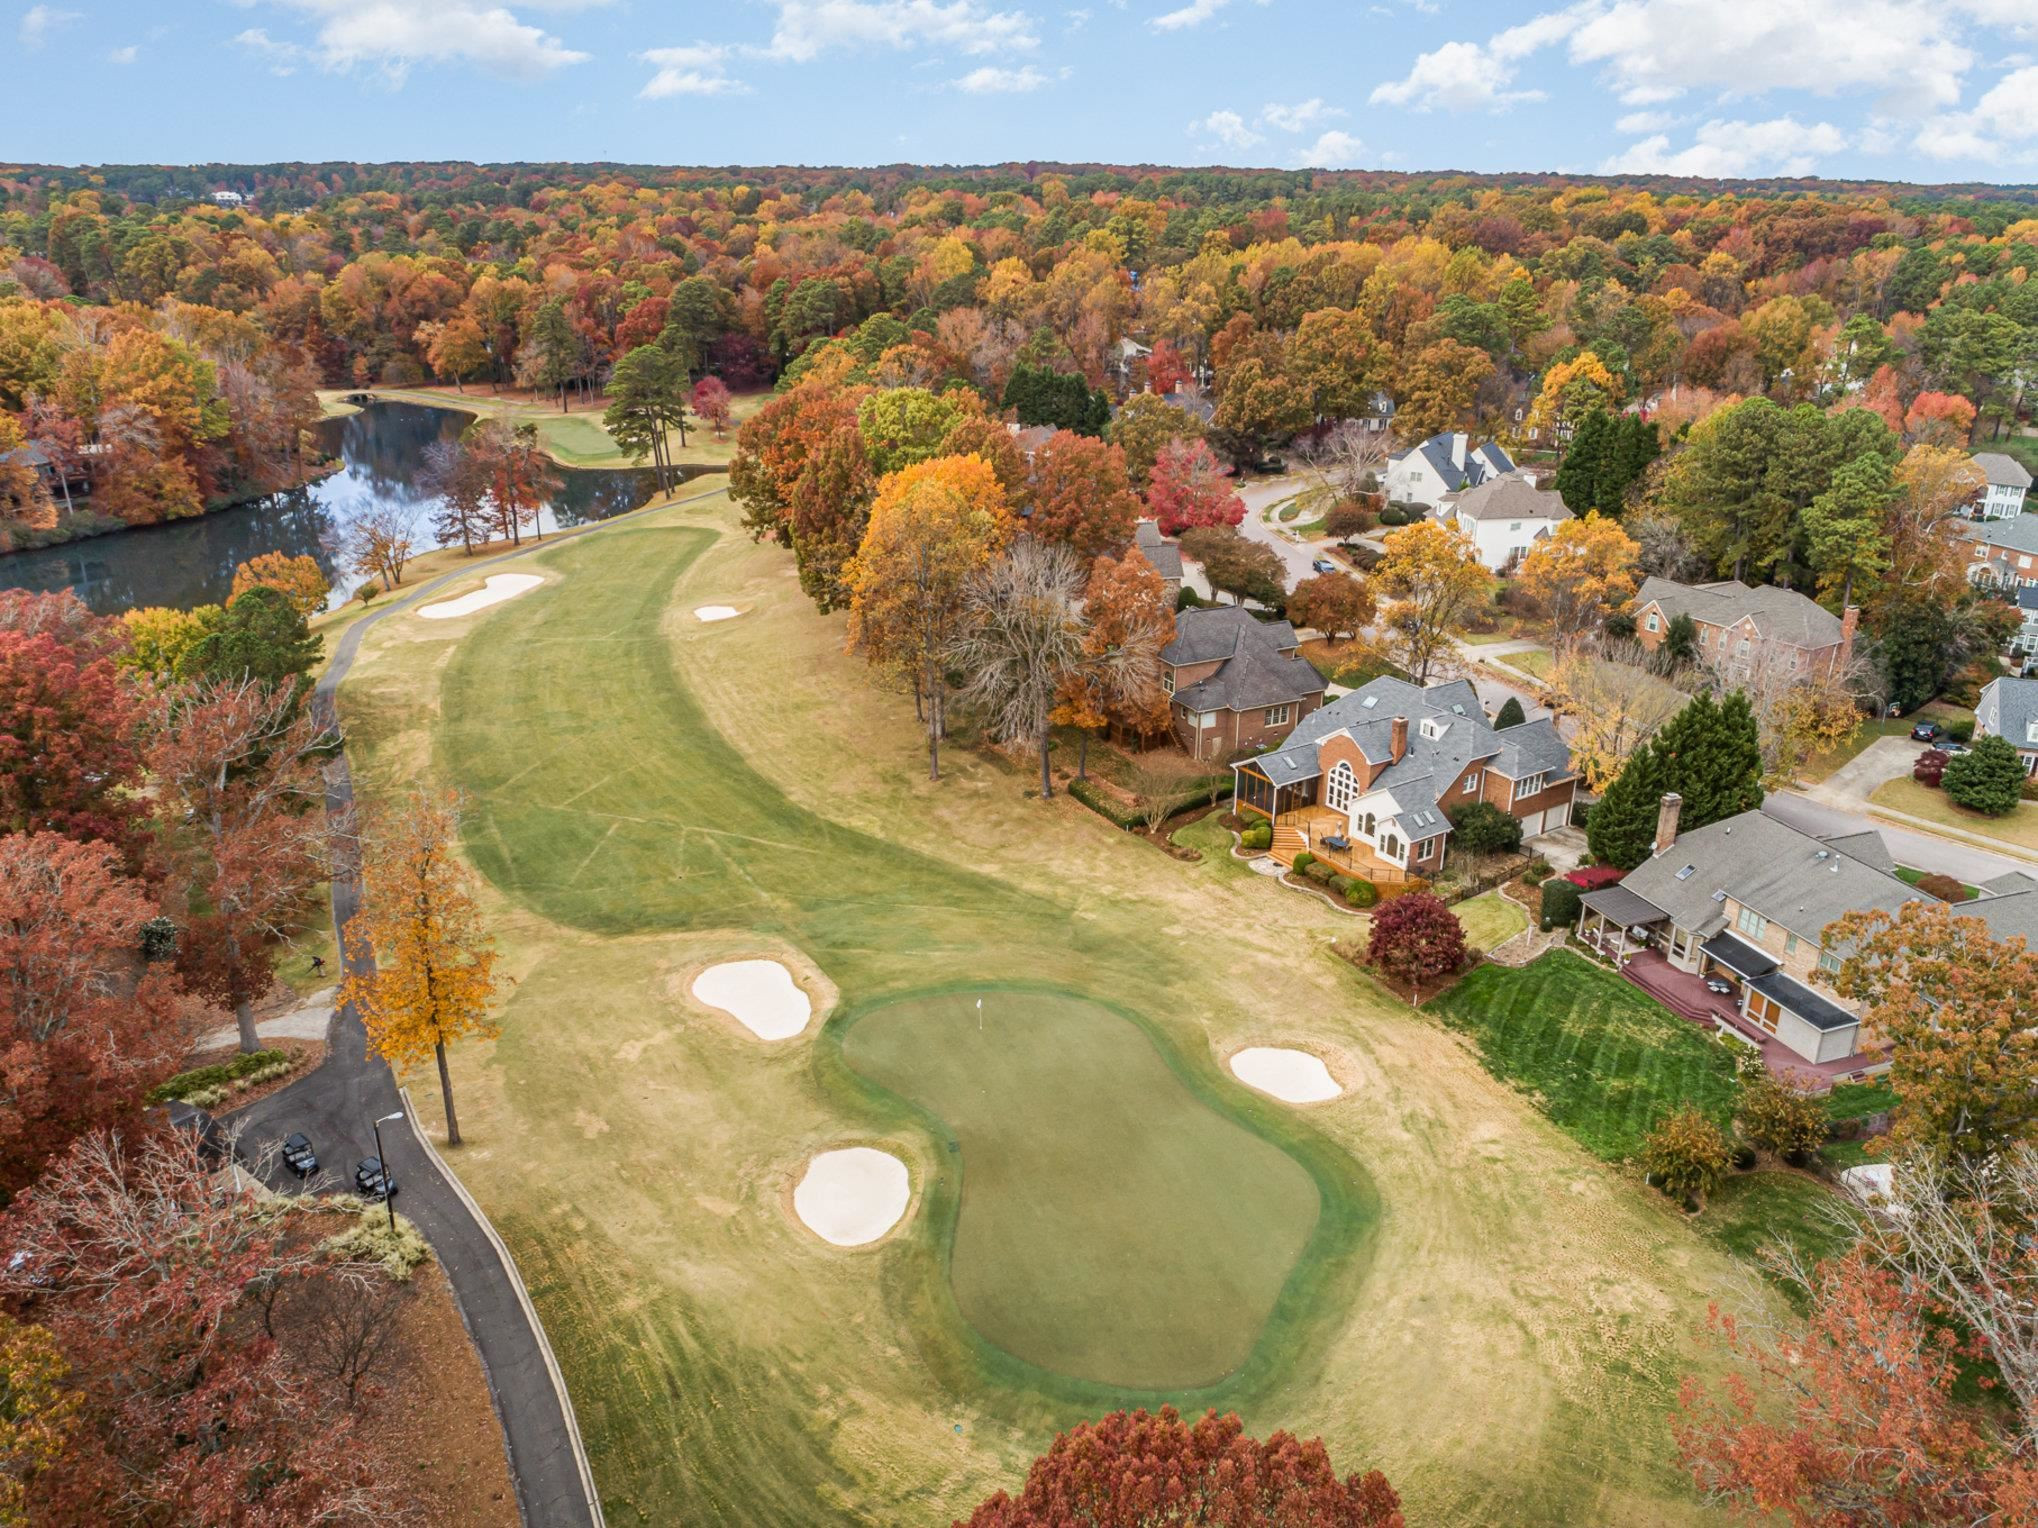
(2002, 554)
(1235, 683)
(1740, 626)
(1370, 780)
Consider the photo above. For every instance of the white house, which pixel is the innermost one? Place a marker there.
(1442, 464)
(1505, 517)
(2008, 481)
(235, 199)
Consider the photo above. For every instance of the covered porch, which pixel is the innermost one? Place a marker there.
(1687, 995)
(1617, 923)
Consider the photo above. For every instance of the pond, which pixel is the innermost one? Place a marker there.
(192, 562)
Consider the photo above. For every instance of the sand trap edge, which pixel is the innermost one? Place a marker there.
(822, 994)
(708, 615)
(1231, 1071)
(916, 1187)
(496, 589)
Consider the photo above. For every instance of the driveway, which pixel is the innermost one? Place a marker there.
(1887, 758)
(335, 1104)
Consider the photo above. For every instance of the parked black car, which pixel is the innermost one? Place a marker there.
(373, 1181)
(1925, 732)
(298, 1155)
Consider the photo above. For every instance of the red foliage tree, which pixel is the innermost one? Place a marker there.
(140, 1262)
(1930, 769)
(1166, 368)
(69, 725)
(1416, 938)
(711, 404)
(1191, 488)
(82, 1037)
(1081, 496)
(1135, 1470)
(1939, 419)
(1868, 1430)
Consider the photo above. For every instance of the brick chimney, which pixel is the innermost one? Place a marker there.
(1666, 820)
(1849, 620)
(1397, 743)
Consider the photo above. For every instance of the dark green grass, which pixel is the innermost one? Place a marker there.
(1112, 1226)
(1858, 1100)
(1751, 1214)
(1603, 1060)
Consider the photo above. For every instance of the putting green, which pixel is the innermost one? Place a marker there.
(1113, 1227)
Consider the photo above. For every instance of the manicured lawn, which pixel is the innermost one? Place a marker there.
(1157, 1273)
(1751, 1214)
(1540, 662)
(1858, 1100)
(1823, 766)
(1490, 920)
(1601, 1059)
(647, 794)
(2020, 827)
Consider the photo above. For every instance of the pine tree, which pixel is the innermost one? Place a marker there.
(1622, 829)
(1511, 714)
(1632, 445)
(1578, 477)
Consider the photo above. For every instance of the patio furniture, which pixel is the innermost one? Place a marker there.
(1337, 841)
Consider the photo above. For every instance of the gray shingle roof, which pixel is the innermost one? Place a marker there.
(2003, 471)
(1202, 636)
(2019, 533)
(1781, 615)
(1508, 497)
(1481, 462)
(2006, 709)
(1259, 666)
(1788, 877)
(1866, 846)
(1163, 555)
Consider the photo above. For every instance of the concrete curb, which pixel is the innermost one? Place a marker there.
(516, 1278)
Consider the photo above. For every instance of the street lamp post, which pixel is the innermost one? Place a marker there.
(388, 1199)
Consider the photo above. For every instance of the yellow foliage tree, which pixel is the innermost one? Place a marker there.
(36, 1415)
(299, 580)
(158, 639)
(1571, 388)
(1615, 704)
(1581, 573)
(420, 966)
(970, 476)
(1431, 573)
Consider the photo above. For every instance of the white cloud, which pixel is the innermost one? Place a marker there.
(700, 70)
(1459, 76)
(2003, 122)
(281, 57)
(1643, 122)
(1332, 151)
(1194, 14)
(39, 21)
(394, 35)
(126, 55)
(990, 80)
(808, 28)
(1228, 128)
(1300, 117)
(1780, 146)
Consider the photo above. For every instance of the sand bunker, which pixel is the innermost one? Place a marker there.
(1293, 1076)
(852, 1196)
(500, 587)
(715, 612)
(759, 994)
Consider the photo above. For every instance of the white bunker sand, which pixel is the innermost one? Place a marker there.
(716, 612)
(759, 994)
(500, 587)
(852, 1196)
(1293, 1076)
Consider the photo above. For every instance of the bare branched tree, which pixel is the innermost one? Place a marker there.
(1351, 458)
(1023, 639)
(355, 1313)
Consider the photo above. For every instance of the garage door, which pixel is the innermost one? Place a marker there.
(1532, 824)
(1556, 817)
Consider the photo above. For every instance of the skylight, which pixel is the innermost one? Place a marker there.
(1686, 873)
(1369, 702)
(1719, 896)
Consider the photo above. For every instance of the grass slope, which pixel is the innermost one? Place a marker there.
(2019, 827)
(1603, 1060)
(1112, 1225)
(651, 793)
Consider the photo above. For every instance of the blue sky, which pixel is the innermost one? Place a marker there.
(1905, 89)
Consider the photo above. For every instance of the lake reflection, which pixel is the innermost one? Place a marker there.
(192, 562)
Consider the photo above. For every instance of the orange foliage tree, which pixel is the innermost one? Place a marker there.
(300, 580)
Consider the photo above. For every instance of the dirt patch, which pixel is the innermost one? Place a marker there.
(434, 1418)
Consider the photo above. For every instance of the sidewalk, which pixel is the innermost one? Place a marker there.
(309, 1020)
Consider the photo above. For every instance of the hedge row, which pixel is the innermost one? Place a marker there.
(1107, 808)
(1356, 890)
(203, 1079)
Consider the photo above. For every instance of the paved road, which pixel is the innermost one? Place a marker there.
(334, 1106)
(1260, 496)
(1923, 851)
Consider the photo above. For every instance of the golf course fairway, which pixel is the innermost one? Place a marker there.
(1113, 1226)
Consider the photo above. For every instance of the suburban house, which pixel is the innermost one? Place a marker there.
(1726, 925)
(2008, 481)
(2004, 552)
(1505, 516)
(1234, 682)
(1369, 781)
(2025, 643)
(227, 199)
(1162, 554)
(1739, 626)
(1442, 464)
(2008, 708)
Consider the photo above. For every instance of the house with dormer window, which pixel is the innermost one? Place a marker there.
(1370, 781)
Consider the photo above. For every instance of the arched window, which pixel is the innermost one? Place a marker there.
(1390, 846)
(1371, 826)
(1341, 787)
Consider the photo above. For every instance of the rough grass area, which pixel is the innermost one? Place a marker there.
(2019, 827)
(1156, 1274)
(648, 794)
(1758, 1215)
(1490, 919)
(1601, 1058)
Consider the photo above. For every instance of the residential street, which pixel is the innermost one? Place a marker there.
(1924, 851)
(1260, 495)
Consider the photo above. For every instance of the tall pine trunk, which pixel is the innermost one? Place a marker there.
(446, 1092)
(1046, 773)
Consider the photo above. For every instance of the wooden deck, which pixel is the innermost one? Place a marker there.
(1306, 827)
